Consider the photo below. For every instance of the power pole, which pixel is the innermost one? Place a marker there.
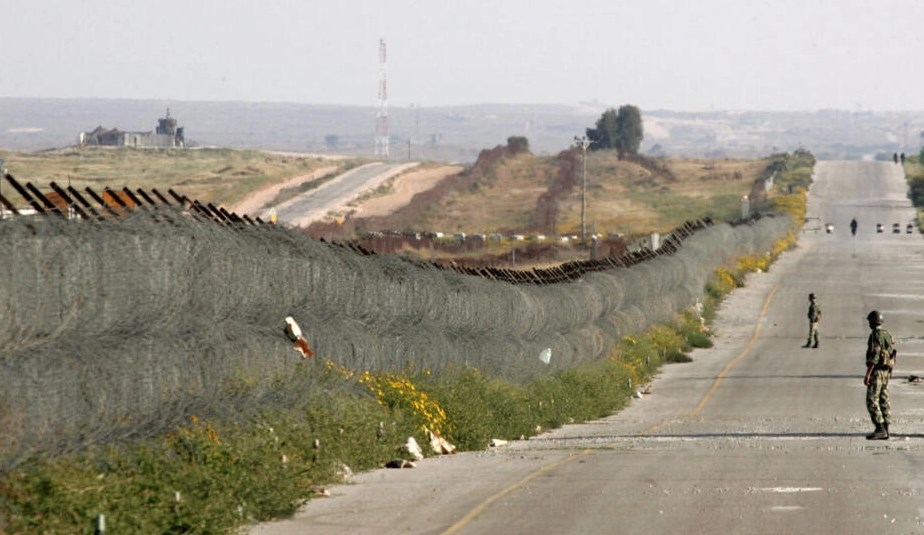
(583, 143)
(381, 118)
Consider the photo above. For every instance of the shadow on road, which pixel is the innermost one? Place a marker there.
(719, 435)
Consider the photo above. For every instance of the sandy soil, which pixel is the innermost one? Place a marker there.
(257, 200)
(404, 188)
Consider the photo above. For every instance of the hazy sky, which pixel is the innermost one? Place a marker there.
(656, 54)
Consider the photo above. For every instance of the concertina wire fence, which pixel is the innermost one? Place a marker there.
(122, 329)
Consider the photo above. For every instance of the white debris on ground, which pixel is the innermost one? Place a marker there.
(439, 444)
(413, 449)
(496, 442)
(344, 471)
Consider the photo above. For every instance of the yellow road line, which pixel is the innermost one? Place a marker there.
(721, 377)
(731, 364)
(465, 520)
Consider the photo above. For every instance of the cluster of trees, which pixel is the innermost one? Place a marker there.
(618, 129)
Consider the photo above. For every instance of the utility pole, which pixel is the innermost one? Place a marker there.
(583, 143)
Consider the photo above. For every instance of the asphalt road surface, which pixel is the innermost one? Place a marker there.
(756, 435)
(335, 194)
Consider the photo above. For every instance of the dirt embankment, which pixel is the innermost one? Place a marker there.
(409, 214)
(547, 206)
(426, 200)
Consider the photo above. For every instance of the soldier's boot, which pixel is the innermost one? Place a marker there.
(879, 434)
(885, 426)
(808, 344)
(816, 344)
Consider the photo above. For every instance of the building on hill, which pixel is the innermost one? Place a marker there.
(167, 135)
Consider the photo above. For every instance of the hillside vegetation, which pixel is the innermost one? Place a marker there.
(514, 191)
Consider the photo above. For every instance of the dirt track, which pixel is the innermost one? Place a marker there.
(259, 199)
(405, 187)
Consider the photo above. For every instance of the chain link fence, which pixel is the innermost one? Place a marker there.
(122, 329)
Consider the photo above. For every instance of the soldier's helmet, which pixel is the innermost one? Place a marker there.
(812, 297)
(874, 317)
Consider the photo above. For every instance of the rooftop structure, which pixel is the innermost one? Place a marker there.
(166, 135)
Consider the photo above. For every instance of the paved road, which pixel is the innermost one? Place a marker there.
(757, 435)
(335, 194)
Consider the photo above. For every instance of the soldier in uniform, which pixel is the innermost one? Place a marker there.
(880, 358)
(814, 316)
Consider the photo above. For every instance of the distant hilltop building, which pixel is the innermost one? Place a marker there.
(167, 135)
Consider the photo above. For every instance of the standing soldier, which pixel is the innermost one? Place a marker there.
(814, 316)
(880, 358)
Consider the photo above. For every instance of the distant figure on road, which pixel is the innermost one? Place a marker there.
(880, 359)
(902, 157)
(814, 316)
(895, 157)
(853, 226)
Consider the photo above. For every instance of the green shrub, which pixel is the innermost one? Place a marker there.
(480, 408)
(699, 340)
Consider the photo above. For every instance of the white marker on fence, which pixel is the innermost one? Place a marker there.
(101, 524)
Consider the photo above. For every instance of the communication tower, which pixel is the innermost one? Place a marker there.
(381, 117)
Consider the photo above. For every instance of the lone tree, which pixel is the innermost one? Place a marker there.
(620, 130)
(629, 129)
(518, 144)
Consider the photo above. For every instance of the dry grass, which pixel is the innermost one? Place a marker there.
(621, 197)
(504, 199)
(222, 176)
(625, 198)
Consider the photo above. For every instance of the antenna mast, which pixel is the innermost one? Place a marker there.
(381, 118)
